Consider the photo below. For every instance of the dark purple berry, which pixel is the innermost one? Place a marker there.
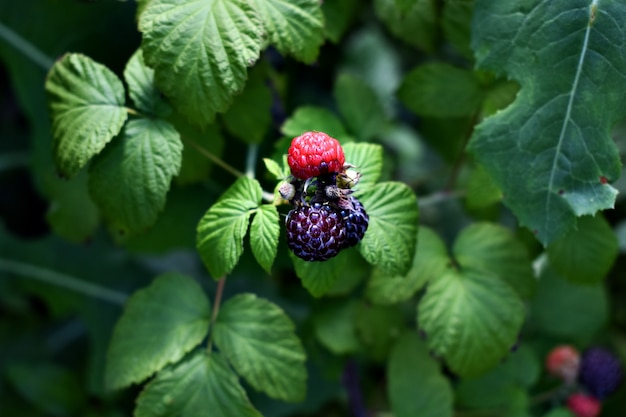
(600, 372)
(315, 232)
(355, 220)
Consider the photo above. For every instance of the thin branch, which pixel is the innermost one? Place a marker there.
(456, 169)
(213, 158)
(216, 309)
(27, 49)
(61, 280)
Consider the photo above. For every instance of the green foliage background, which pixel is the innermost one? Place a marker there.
(143, 267)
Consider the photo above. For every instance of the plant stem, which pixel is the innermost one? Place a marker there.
(214, 159)
(253, 151)
(62, 280)
(456, 169)
(26, 48)
(216, 309)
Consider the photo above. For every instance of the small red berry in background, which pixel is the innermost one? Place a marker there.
(583, 405)
(313, 154)
(564, 362)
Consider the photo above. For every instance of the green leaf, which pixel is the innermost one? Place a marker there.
(334, 327)
(142, 89)
(200, 50)
(416, 385)
(586, 255)
(391, 236)
(310, 118)
(196, 166)
(368, 160)
(130, 179)
(52, 389)
(359, 106)
(259, 340)
(456, 24)
(72, 213)
(190, 388)
(338, 15)
(87, 110)
(378, 327)
(414, 25)
(571, 72)
(430, 89)
(319, 277)
(568, 311)
(481, 190)
(559, 412)
(429, 262)
(293, 26)
(264, 234)
(499, 388)
(160, 324)
(275, 169)
(222, 229)
(249, 117)
(471, 318)
(494, 249)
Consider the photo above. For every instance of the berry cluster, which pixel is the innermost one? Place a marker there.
(597, 373)
(326, 217)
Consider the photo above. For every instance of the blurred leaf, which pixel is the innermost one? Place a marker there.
(196, 166)
(308, 118)
(585, 256)
(456, 23)
(200, 51)
(249, 117)
(378, 327)
(320, 277)
(335, 327)
(72, 213)
(52, 389)
(471, 318)
(416, 384)
(338, 15)
(221, 231)
(438, 89)
(359, 106)
(259, 340)
(499, 95)
(568, 311)
(391, 236)
(414, 25)
(294, 26)
(559, 412)
(87, 109)
(129, 180)
(199, 383)
(494, 248)
(481, 189)
(160, 324)
(499, 388)
(368, 160)
(429, 262)
(264, 234)
(142, 89)
(559, 128)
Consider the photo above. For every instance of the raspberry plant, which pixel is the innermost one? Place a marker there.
(169, 207)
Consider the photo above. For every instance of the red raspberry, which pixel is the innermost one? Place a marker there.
(583, 405)
(313, 154)
(564, 361)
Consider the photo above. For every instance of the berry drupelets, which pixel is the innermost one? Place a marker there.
(313, 154)
(600, 372)
(326, 217)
